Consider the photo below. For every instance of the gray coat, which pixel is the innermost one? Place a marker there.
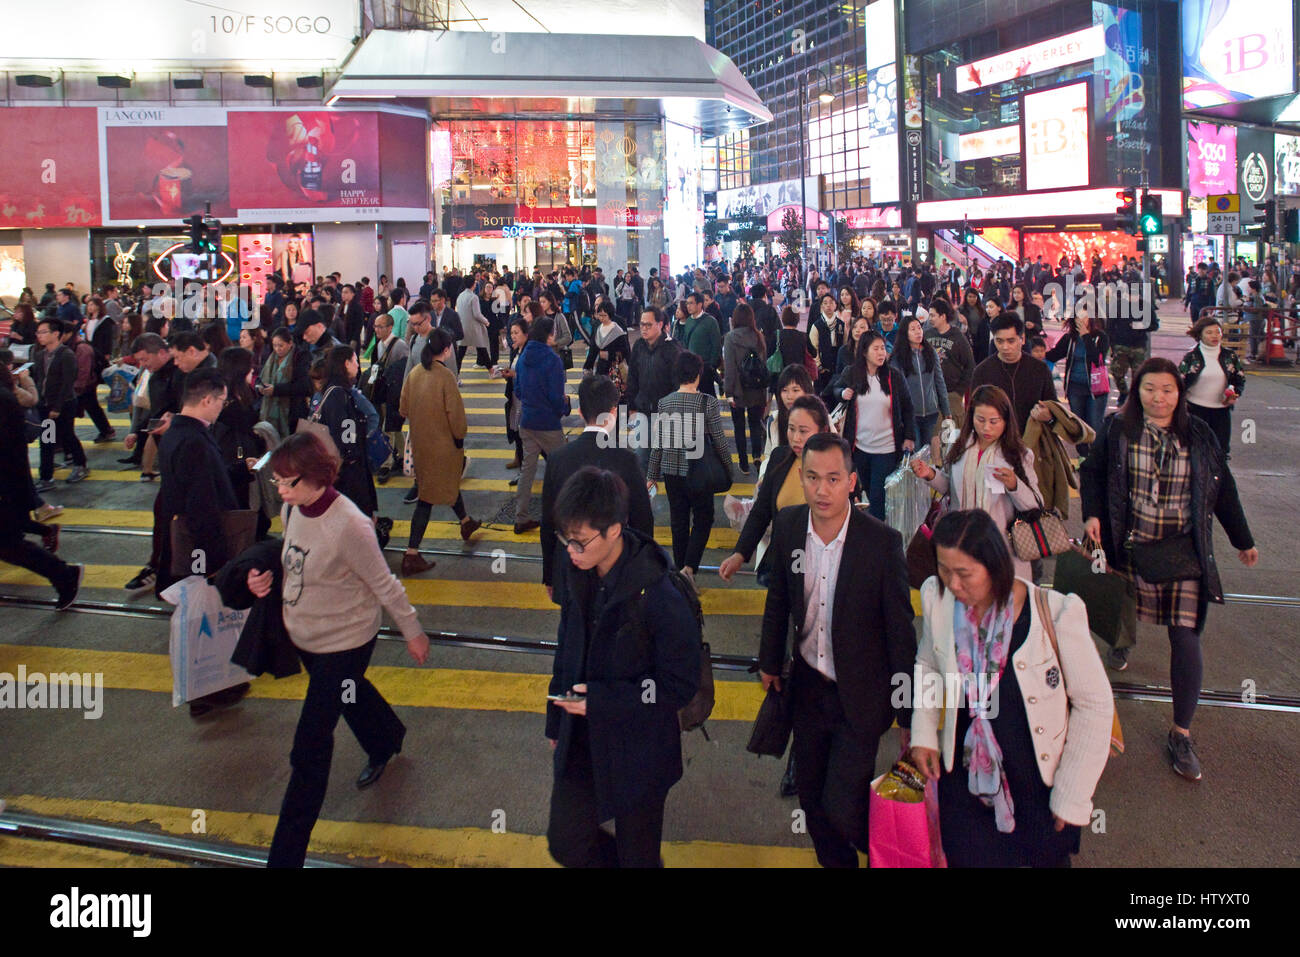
(735, 346)
(472, 320)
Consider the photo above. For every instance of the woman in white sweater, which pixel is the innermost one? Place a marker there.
(988, 467)
(336, 585)
(1025, 705)
(1213, 378)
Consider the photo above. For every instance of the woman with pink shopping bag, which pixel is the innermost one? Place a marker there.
(1036, 711)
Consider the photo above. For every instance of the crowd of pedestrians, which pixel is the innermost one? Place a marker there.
(831, 381)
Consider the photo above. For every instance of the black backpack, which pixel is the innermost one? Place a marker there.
(699, 708)
(753, 371)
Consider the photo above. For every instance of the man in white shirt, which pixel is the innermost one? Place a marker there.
(839, 577)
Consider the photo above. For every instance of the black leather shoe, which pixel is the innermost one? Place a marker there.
(787, 780)
(371, 774)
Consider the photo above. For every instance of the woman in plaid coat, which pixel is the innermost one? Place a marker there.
(1156, 472)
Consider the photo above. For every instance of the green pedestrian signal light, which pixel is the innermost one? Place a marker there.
(1152, 221)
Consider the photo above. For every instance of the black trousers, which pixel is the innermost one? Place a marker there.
(757, 434)
(691, 519)
(16, 550)
(483, 361)
(88, 404)
(574, 835)
(496, 322)
(65, 437)
(1219, 421)
(372, 720)
(833, 768)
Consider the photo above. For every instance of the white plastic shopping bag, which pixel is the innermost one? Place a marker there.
(204, 635)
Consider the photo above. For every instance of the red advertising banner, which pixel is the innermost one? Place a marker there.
(49, 167)
(291, 160)
(165, 170)
(404, 160)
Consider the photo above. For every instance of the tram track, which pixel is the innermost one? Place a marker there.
(1129, 691)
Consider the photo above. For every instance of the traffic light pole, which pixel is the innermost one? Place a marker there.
(1146, 253)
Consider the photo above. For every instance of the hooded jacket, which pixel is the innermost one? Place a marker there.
(1052, 461)
(539, 386)
(636, 750)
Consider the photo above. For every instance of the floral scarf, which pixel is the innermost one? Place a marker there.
(982, 647)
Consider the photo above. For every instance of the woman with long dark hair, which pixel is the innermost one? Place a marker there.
(1214, 379)
(988, 467)
(347, 422)
(793, 382)
(233, 430)
(879, 421)
(917, 361)
(1025, 736)
(1079, 363)
(1150, 486)
(747, 401)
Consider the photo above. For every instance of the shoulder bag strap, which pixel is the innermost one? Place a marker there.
(1045, 616)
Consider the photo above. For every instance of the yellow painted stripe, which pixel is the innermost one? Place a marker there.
(31, 852)
(395, 843)
(444, 593)
(719, 538)
(409, 687)
(401, 481)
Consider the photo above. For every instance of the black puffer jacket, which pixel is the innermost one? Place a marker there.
(1104, 491)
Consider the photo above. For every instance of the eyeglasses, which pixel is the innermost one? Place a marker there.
(577, 546)
(286, 483)
(648, 325)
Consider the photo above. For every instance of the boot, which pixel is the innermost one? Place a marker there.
(415, 565)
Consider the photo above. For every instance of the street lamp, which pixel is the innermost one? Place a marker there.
(826, 98)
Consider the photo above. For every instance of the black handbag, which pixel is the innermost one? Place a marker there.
(566, 357)
(709, 474)
(774, 723)
(1171, 559)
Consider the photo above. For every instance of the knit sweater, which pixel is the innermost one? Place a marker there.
(336, 581)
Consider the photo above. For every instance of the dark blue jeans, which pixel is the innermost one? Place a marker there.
(1086, 406)
(873, 469)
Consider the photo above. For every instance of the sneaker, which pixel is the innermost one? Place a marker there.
(415, 565)
(1181, 751)
(1117, 658)
(78, 473)
(47, 512)
(469, 528)
(383, 475)
(411, 497)
(146, 578)
(148, 476)
(514, 482)
(744, 470)
(105, 437)
(50, 538)
(44, 485)
(69, 586)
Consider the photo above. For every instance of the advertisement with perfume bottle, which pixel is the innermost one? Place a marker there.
(304, 159)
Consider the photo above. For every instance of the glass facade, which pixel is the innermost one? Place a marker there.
(774, 43)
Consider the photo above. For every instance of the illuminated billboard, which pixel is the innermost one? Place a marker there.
(1036, 58)
(1211, 159)
(982, 144)
(1056, 137)
(1070, 202)
(1236, 50)
(882, 100)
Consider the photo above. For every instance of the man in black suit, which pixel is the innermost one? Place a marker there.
(598, 400)
(196, 485)
(839, 576)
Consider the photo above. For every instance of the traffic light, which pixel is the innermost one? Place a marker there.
(1291, 226)
(1267, 218)
(1152, 221)
(198, 233)
(1126, 211)
(967, 235)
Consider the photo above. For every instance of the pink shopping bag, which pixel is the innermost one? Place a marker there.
(902, 834)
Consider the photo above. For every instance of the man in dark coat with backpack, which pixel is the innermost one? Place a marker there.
(627, 661)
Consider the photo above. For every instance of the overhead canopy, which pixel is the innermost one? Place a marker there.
(694, 82)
